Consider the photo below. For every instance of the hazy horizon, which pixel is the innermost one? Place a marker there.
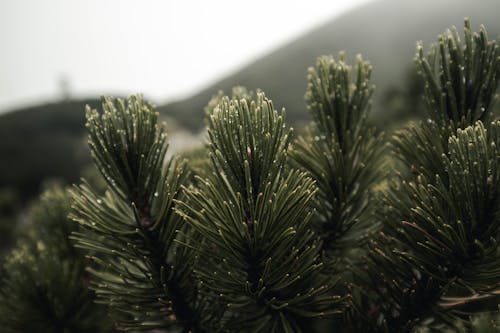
(151, 47)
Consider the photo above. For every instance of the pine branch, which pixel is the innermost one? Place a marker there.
(435, 263)
(143, 274)
(343, 154)
(461, 79)
(44, 287)
(259, 255)
(439, 256)
(265, 238)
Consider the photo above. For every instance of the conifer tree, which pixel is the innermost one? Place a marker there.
(259, 255)
(44, 287)
(436, 262)
(256, 241)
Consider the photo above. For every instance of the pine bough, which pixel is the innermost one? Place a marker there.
(277, 234)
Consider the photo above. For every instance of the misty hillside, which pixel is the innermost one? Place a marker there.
(48, 141)
(43, 142)
(384, 32)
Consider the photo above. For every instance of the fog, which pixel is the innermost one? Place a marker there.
(164, 49)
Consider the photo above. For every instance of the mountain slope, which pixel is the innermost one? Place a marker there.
(42, 142)
(48, 141)
(384, 32)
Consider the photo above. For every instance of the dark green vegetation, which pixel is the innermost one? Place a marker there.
(342, 153)
(278, 232)
(435, 260)
(44, 286)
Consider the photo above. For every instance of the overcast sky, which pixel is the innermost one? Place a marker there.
(164, 49)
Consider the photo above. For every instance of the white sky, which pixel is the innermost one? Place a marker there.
(164, 49)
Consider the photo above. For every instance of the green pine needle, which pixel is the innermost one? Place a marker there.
(260, 257)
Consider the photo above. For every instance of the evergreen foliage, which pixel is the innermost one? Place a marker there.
(460, 78)
(342, 153)
(143, 275)
(259, 256)
(237, 93)
(460, 84)
(44, 285)
(267, 232)
(436, 262)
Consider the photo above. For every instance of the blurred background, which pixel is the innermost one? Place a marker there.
(59, 55)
